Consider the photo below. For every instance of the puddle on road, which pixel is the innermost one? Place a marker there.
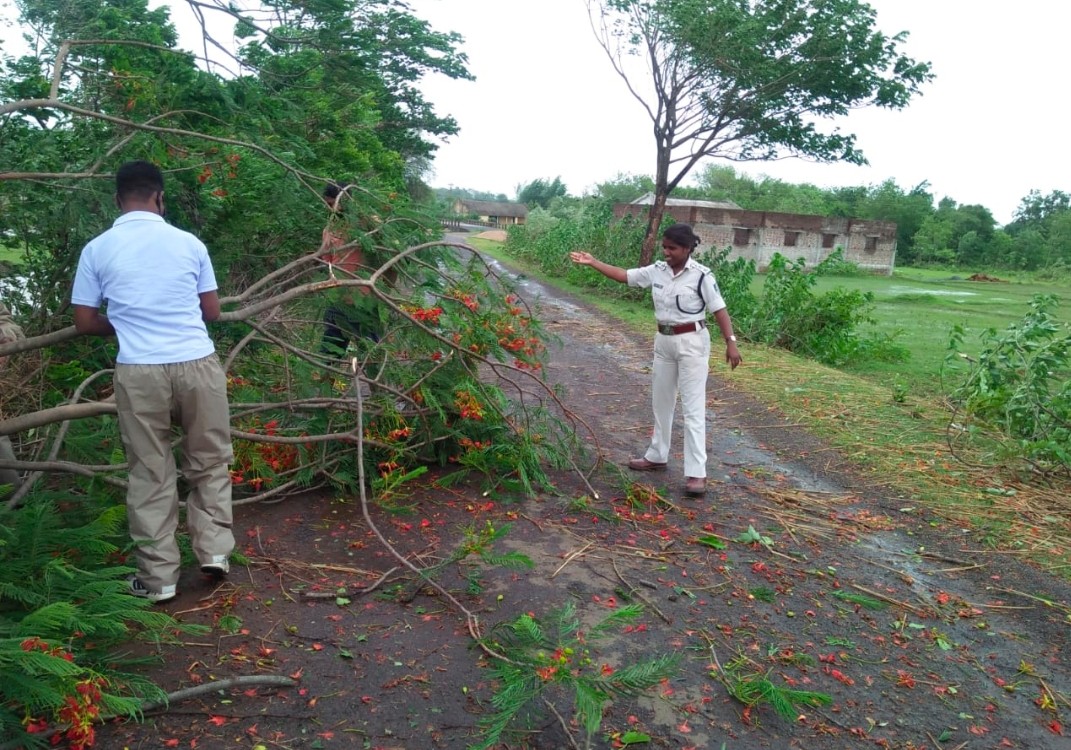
(738, 450)
(535, 290)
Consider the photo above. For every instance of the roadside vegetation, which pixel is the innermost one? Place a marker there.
(329, 91)
(959, 409)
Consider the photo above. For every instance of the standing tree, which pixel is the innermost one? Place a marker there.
(747, 80)
(540, 192)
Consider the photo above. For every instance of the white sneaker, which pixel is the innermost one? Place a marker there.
(219, 566)
(137, 588)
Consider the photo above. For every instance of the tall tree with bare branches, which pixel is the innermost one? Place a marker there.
(750, 80)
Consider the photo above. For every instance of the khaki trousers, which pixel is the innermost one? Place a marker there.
(681, 364)
(151, 399)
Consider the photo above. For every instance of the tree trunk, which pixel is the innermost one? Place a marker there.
(654, 222)
(658, 207)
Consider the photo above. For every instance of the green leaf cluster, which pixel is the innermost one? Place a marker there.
(558, 654)
(756, 689)
(66, 617)
(318, 91)
(1018, 389)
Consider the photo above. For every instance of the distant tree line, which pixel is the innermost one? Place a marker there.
(929, 232)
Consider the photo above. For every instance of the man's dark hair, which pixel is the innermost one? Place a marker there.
(138, 180)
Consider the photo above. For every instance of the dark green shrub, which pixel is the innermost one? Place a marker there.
(1019, 387)
(790, 315)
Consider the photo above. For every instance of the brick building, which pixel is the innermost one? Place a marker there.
(758, 235)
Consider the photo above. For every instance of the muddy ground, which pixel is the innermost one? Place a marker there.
(919, 636)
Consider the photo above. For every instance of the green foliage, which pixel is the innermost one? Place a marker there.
(478, 546)
(790, 315)
(557, 656)
(1041, 231)
(326, 89)
(755, 689)
(455, 377)
(751, 536)
(547, 245)
(541, 192)
(862, 600)
(624, 188)
(1019, 387)
(476, 551)
(66, 618)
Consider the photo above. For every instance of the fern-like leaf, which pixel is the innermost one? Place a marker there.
(509, 560)
(635, 678)
(615, 620)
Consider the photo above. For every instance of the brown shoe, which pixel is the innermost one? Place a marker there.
(642, 464)
(695, 486)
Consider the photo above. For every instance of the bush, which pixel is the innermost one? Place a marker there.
(789, 315)
(592, 229)
(1020, 388)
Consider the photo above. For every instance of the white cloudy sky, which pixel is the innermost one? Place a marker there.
(988, 129)
(546, 103)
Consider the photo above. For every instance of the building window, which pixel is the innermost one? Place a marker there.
(741, 235)
(828, 240)
(791, 238)
(871, 243)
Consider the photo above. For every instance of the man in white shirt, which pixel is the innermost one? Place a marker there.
(159, 287)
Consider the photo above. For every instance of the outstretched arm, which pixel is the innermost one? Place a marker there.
(610, 272)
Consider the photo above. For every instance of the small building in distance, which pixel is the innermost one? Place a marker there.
(492, 213)
(759, 235)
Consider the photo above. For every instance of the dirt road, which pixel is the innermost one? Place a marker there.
(791, 572)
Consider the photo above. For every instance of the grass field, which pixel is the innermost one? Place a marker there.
(920, 307)
(10, 256)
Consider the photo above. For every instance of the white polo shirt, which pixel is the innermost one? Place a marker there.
(676, 298)
(150, 275)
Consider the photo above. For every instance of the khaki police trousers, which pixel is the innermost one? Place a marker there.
(151, 400)
(681, 364)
